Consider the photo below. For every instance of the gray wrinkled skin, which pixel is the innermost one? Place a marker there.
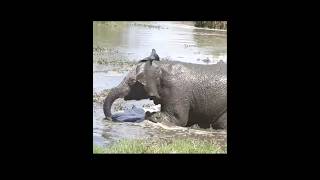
(188, 93)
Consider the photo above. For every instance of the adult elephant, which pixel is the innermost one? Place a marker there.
(188, 93)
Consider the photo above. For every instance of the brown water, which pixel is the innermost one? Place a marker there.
(133, 41)
(176, 40)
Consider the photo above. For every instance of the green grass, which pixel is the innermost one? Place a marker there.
(161, 146)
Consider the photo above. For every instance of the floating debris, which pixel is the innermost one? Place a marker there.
(207, 60)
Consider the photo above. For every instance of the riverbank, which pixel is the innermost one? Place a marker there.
(212, 24)
(142, 146)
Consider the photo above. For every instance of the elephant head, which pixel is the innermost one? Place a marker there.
(140, 83)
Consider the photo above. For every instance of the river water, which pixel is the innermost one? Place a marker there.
(132, 41)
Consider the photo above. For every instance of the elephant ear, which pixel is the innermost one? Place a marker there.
(140, 74)
(147, 69)
(141, 78)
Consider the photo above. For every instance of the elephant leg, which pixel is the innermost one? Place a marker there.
(181, 114)
(221, 122)
(177, 114)
(161, 117)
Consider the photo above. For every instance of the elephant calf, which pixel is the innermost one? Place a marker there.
(188, 93)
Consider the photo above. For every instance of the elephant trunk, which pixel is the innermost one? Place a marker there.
(115, 93)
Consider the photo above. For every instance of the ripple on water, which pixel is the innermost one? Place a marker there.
(104, 81)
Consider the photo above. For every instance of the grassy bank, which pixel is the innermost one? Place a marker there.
(161, 146)
(212, 24)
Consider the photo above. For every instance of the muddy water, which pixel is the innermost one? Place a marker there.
(176, 40)
(132, 41)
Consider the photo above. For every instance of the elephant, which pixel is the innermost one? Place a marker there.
(188, 93)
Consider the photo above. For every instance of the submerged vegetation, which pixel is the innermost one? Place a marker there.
(146, 25)
(99, 97)
(112, 58)
(162, 146)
